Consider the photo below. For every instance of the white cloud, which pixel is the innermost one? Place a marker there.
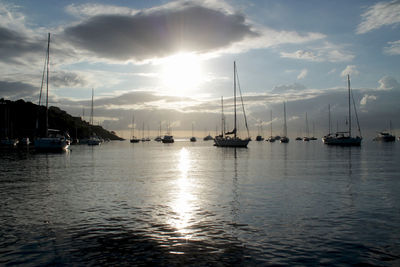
(301, 54)
(326, 52)
(302, 74)
(88, 10)
(379, 15)
(351, 70)
(388, 83)
(367, 98)
(332, 71)
(393, 48)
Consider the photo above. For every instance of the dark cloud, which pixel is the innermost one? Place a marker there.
(159, 33)
(67, 79)
(17, 90)
(14, 46)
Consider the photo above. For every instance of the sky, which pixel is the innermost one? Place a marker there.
(170, 62)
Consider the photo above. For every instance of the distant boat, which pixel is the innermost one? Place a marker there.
(306, 138)
(313, 138)
(208, 138)
(271, 139)
(193, 138)
(158, 138)
(284, 139)
(168, 138)
(93, 140)
(9, 142)
(259, 136)
(53, 140)
(134, 139)
(345, 138)
(225, 140)
(386, 136)
(298, 139)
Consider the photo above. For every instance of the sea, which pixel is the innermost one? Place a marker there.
(194, 204)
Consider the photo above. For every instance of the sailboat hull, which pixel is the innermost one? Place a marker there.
(51, 144)
(342, 141)
(231, 142)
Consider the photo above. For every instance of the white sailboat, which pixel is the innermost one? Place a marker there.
(225, 140)
(284, 138)
(168, 138)
(53, 140)
(345, 138)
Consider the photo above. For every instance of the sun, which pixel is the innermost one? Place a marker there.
(182, 73)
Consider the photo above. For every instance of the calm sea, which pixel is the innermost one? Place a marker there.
(196, 204)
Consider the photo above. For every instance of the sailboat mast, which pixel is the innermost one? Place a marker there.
(47, 87)
(271, 123)
(307, 130)
(234, 95)
(91, 110)
(329, 119)
(348, 85)
(222, 117)
(284, 115)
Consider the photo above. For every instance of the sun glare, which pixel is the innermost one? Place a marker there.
(182, 73)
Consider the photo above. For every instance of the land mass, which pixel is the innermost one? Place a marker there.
(19, 119)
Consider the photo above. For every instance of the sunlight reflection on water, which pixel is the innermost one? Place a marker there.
(183, 198)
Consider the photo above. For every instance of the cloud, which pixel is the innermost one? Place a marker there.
(88, 10)
(367, 98)
(17, 90)
(350, 70)
(393, 48)
(67, 79)
(288, 88)
(379, 15)
(327, 52)
(388, 83)
(159, 33)
(302, 74)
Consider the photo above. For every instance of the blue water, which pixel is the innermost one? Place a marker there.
(301, 203)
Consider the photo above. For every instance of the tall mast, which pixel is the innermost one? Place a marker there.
(222, 116)
(348, 85)
(271, 122)
(47, 87)
(329, 119)
(307, 130)
(91, 111)
(284, 115)
(234, 95)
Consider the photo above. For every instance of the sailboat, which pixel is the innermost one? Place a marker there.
(386, 136)
(168, 138)
(225, 140)
(52, 140)
(313, 138)
(158, 138)
(94, 140)
(193, 138)
(271, 139)
(134, 139)
(259, 136)
(306, 138)
(284, 139)
(345, 138)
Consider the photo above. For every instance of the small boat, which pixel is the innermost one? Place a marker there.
(298, 139)
(306, 138)
(193, 138)
(344, 138)
(259, 138)
(167, 139)
(158, 139)
(271, 139)
(134, 139)
(284, 139)
(386, 136)
(208, 138)
(9, 142)
(225, 140)
(52, 140)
